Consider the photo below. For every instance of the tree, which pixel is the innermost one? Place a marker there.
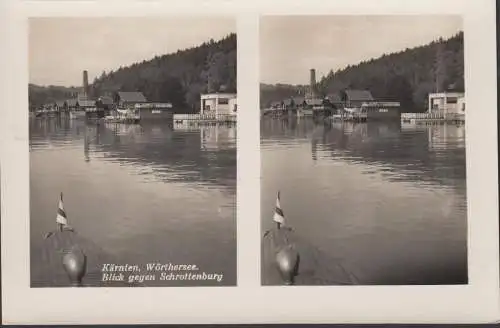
(399, 89)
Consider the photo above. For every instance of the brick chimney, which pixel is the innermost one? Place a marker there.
(312, 83)
(85, 83)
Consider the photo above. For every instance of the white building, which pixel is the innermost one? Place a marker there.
(218, 103)
(447, 103)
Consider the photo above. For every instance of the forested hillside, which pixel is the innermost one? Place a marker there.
(178, 78)
(407, 76)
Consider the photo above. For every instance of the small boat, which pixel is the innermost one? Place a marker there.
(286, 255)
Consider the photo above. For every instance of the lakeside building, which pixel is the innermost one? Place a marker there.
(335, 99)
(154, 111)
(218, 103)
(346, 103)
(447, 103)
(351, 98)
(105, 102)
(380, 110)
(128, 100)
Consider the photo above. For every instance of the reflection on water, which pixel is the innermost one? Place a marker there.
(387, 200)
(143, 193)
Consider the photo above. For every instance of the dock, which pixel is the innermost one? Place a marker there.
(46, 262)
(122, 119)
(354, 117)
(204, 118)
(426, 118)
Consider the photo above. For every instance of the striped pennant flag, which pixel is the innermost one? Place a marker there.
(61, 217)
(279, 216)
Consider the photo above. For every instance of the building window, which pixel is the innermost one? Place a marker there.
(451, 100)
(223, 101)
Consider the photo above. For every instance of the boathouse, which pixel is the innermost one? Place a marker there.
(335, 100)
(355, 98)
(447, 103)
(154, 111)
(129, 99)
(381, 110)
(105, 102)
(218, 103)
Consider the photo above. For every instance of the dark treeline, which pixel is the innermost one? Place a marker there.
(178, 78)
(39, 95)
(270, 93)
(406, 76)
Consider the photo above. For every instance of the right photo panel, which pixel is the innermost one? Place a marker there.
(363, 157)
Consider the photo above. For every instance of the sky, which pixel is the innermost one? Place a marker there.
(61, 48)
(291, 45)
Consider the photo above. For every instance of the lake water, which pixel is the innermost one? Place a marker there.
(142, 193)
(386, 202)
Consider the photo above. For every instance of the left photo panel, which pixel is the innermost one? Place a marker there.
(132, 135)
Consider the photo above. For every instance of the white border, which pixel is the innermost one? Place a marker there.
(250, 303)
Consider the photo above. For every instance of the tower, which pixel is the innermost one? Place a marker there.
(312, 83)
(85, 84)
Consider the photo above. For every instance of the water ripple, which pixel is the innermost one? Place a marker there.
(389, 198)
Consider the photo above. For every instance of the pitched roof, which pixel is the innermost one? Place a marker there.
(334, 97)
(60, 103)
(105, 100)
(359, 95)
(131, 96)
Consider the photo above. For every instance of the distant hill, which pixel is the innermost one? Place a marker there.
(178, 78)
(277, 92)
(39, 95)
(406, 76)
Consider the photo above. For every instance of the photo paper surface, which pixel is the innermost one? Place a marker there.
(229, 162)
